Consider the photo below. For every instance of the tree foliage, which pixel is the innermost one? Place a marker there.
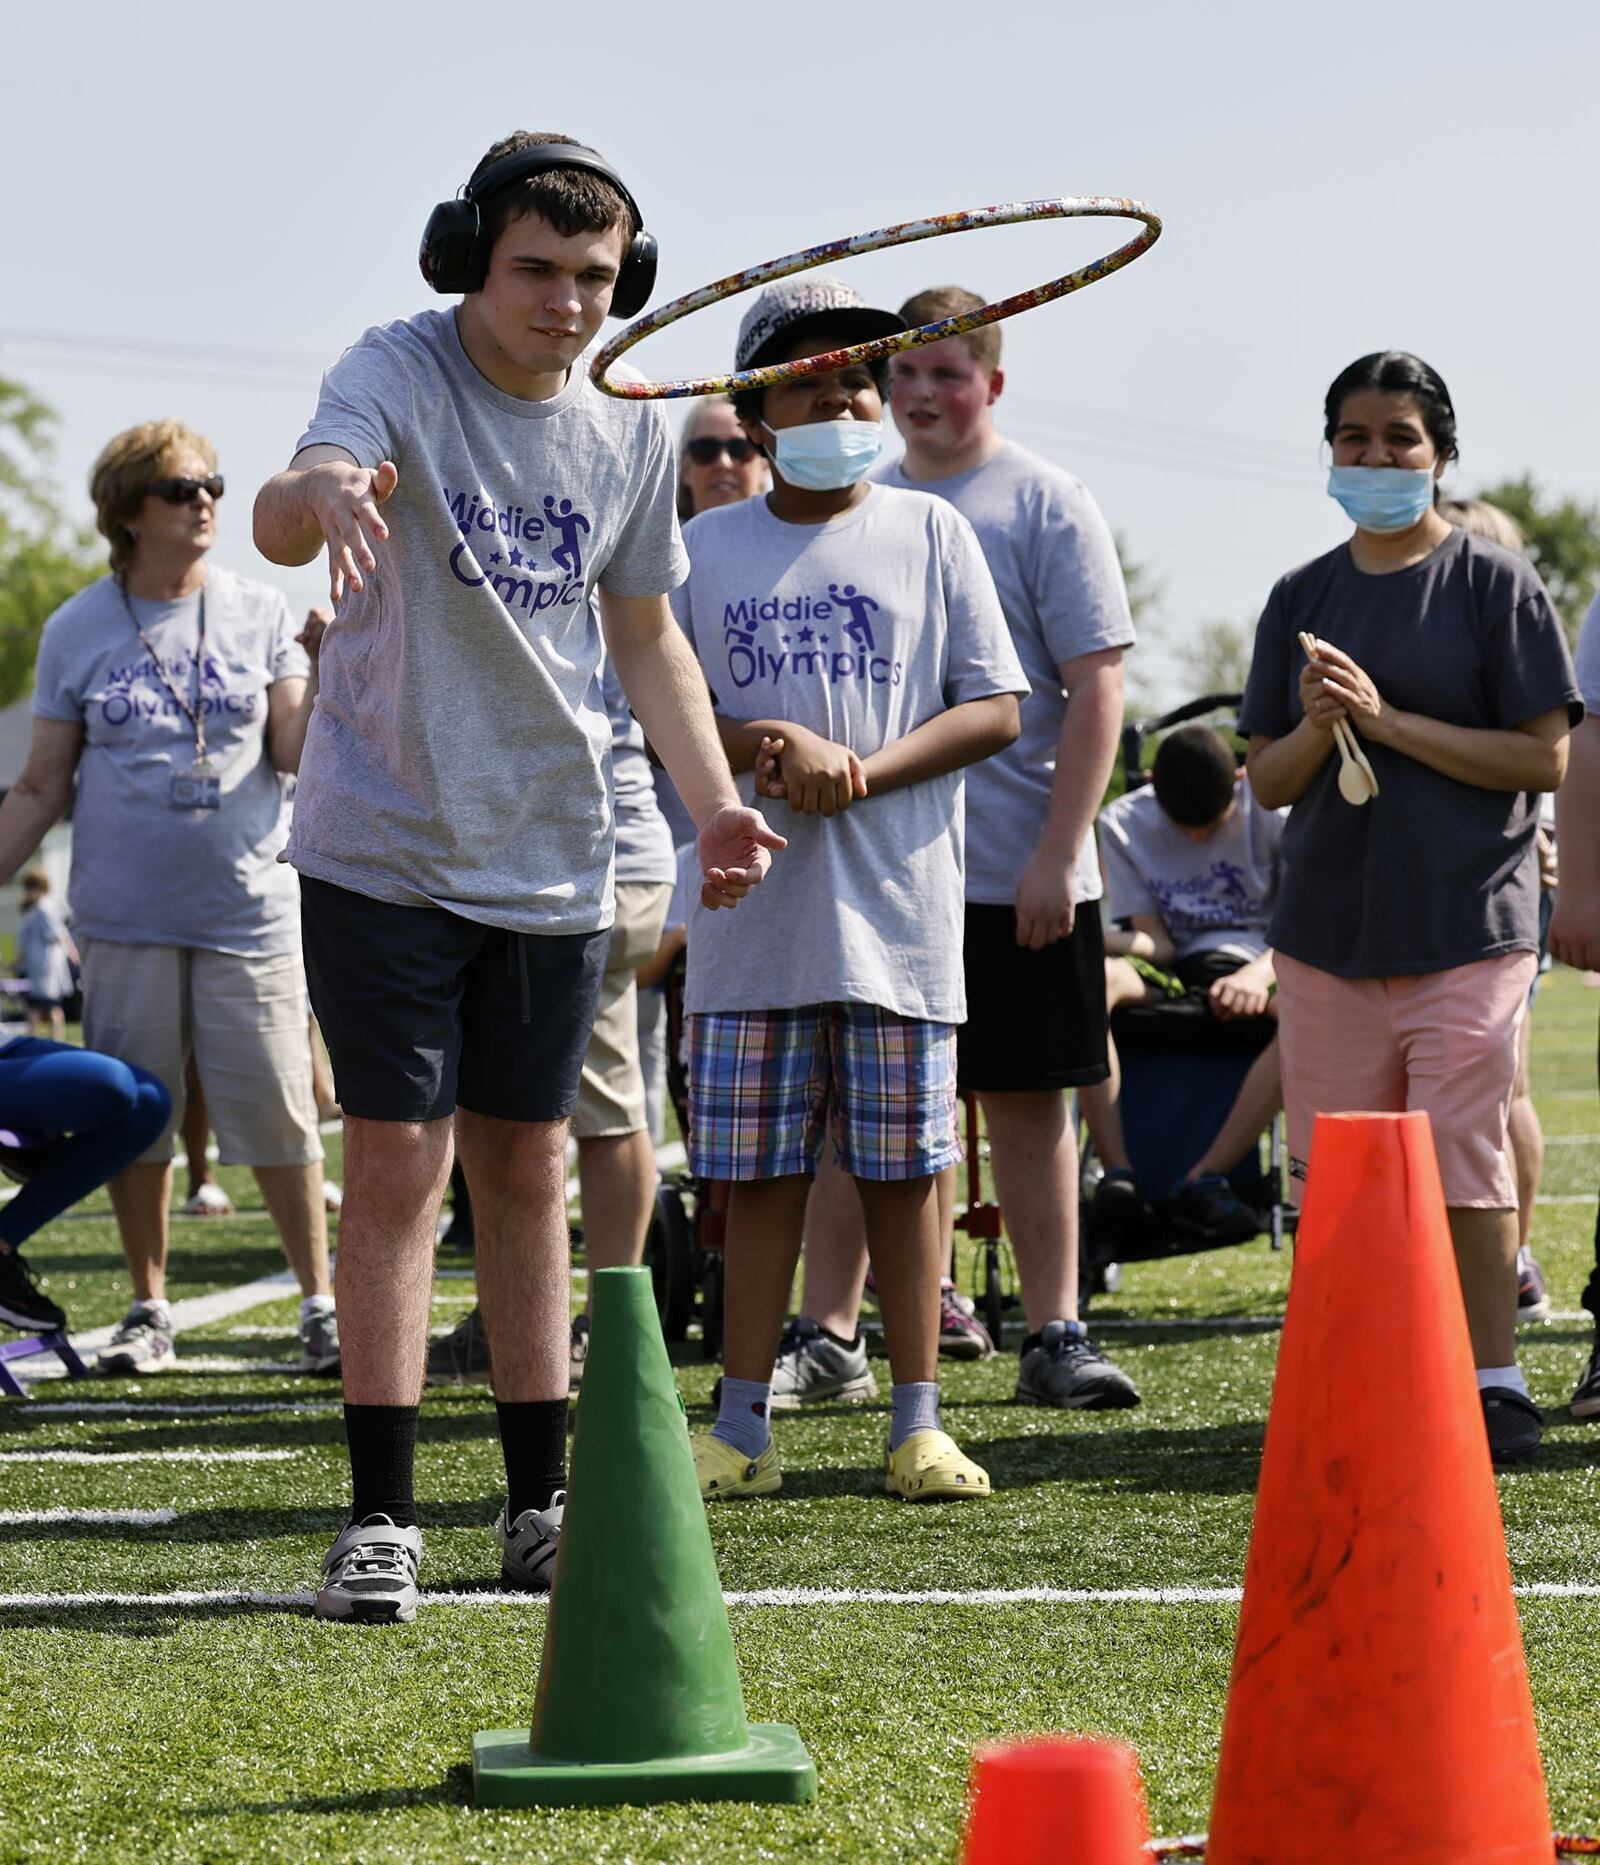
(44, 557)
(1563, 540)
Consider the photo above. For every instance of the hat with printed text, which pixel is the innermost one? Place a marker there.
(794, 307)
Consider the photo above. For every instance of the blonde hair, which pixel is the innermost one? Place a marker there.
(983, 346)
(36, 881)
(1485, 520)
(125, 471)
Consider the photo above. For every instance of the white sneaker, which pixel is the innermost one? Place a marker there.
(142, 1343)
(369, 1575)
(528, 1546)
(319, 1340)
(813, 1369)
(332, 1197)
(209, 1201)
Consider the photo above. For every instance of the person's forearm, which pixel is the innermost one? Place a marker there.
(1086, 749)
(285, 528)
(669, 697)
(1281, 769)
(26, 817)
(1578, 812)
(1489, 759)
(963, 735)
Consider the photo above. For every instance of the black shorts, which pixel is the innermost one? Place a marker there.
(424, 1011)
(1035, 1020)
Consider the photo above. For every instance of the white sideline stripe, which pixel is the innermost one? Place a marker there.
(131, 1518)
(118, 1408)
(1570, 1198)
(196, 1311)
(1572, 1139)
(146, 1457)
(766, 1596)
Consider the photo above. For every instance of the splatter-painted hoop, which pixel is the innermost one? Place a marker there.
(1068, 207)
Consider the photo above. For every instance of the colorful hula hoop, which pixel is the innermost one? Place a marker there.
(1067, 207)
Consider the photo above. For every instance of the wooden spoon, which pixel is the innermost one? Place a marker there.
(1357, 783)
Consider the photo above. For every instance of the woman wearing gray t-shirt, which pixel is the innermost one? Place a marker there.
(1407, 927)
(173, 694)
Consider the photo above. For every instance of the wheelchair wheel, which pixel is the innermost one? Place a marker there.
(669, 1256)
(711, 1286)
(994, 1296)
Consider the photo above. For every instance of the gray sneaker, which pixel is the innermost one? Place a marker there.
(142, 1343)
(528, 1546)
(319, 1341)
(1064, 1367)
(369, 1575)
(461, 1356)
(580, 1354)
(813, 1368)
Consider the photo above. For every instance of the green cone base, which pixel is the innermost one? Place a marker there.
(772, 1766)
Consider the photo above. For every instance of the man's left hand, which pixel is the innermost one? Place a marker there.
(734, 854)
(1046, 902)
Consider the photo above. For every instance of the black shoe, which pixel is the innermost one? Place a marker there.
(462, 1355)
(1513, 1422)
(1119, 1211)
(1586, 1398)
(21, 1304)
(1209, 1207)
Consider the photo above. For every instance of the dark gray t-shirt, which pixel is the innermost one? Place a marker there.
(143, 872)
(459, 748)
(1432, 873)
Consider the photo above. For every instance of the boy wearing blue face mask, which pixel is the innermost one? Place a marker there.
(853, 633)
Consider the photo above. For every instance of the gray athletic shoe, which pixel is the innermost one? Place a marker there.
(462, 1356)
(580, 1354)
(142, 1343)
(369, 1575)
(813, 1368)
(528, 1546)
(1064, 1367)
(319, 1341)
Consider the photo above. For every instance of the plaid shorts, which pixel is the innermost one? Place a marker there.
(764, 1085)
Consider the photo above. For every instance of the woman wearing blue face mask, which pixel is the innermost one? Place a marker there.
(1407, 928)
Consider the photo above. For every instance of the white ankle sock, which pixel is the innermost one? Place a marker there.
(1510, 1376)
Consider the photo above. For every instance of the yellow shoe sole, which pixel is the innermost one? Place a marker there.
(931, 1467)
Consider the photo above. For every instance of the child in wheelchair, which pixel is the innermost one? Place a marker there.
(1191, 866)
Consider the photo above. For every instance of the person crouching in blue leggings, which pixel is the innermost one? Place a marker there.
(89, 1116)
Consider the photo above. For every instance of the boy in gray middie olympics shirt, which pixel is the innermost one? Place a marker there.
(852, 633)
(453, 828)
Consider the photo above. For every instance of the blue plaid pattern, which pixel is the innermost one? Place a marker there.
(764, 1084)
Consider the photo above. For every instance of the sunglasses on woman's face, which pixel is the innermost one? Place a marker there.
(707, 452)
(186, 491)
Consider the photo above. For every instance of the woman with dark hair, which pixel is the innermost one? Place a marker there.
(1407, 931)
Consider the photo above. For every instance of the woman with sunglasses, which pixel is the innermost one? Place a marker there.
(1407, 928)
(718, 464)
(174, 693)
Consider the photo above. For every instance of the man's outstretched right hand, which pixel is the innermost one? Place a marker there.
(344, 498)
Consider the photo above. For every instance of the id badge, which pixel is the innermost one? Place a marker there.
(200, 788)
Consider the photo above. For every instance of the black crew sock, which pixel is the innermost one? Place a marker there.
(842, 1340)
(383, 1454)
(533, 1441)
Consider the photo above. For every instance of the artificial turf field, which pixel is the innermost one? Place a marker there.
(249, 1731)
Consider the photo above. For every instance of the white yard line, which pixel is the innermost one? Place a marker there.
(128, 1518)
(200, 1408)
(813, 1597)
(146, 1457)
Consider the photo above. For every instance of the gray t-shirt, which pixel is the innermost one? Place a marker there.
(42, 952)
(143, 872)
(1055, 565)
(1587, 659)
(1212, 896)
(862, 629)
(644, 842)
(459, 748)
(1432, 873)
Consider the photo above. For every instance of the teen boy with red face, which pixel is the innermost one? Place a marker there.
(479, 499)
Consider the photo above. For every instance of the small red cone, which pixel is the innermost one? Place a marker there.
(1050, 1798)
(1379, 1708)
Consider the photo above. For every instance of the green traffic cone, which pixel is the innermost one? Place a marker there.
(639, 1696)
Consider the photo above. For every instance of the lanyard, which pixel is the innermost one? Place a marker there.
(195, 714)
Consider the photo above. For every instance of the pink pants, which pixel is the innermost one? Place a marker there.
(1444, 1042)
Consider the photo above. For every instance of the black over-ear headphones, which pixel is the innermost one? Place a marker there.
(455, 252)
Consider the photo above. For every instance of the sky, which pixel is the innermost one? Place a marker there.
(202, 206)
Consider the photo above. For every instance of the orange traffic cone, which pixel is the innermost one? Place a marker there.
(1037, 1801)
(1379, 1708)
